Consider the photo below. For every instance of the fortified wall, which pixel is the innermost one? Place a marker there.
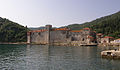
(66, 36)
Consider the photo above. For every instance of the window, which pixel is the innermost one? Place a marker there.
(83, 39)
(73, 39)
(32, 33)
(39, 33)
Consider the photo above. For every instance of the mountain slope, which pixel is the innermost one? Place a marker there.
(11, 31)
(108, 25)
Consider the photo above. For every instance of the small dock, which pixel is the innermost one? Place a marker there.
(114, 54)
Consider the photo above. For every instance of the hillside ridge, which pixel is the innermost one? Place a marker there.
(108, 25)
(11, 31)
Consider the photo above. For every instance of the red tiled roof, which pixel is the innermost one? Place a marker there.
(118, 39)
(42, 30)
(86, 28)
(99, 34)
(60, 29)
(76, 30)
(90, 37)
(108, 37)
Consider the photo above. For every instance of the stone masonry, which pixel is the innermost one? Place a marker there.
(51, 35)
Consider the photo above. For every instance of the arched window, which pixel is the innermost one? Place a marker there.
(83, 39)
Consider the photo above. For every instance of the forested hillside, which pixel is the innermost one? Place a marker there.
(11, 31)
(108, 25)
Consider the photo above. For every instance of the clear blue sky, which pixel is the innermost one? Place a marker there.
(35, 13)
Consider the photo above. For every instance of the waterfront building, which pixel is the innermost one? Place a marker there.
(116, 41)
(65, 35)
(99, 37)
(107, 39)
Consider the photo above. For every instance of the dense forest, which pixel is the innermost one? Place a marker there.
(11, 31)
(108, 25)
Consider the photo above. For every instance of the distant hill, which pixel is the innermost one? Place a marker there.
(11, 31)
(36, 28)
(108, 25)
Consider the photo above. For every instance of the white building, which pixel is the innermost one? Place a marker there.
(117, 41)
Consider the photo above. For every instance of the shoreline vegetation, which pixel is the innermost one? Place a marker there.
(12, 32)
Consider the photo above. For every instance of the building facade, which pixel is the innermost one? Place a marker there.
(107, 39)
(51, 35)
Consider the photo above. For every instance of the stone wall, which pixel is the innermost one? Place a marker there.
(39, 37)
(106, 40)
(59, 36)
(83, 36)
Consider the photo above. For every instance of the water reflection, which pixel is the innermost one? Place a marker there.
(41, 57)
(10, 55)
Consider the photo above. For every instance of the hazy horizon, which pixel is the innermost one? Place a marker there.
(36, 13)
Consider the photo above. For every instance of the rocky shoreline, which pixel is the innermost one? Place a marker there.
(109, 44)
(65, 44)
(112, 54)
